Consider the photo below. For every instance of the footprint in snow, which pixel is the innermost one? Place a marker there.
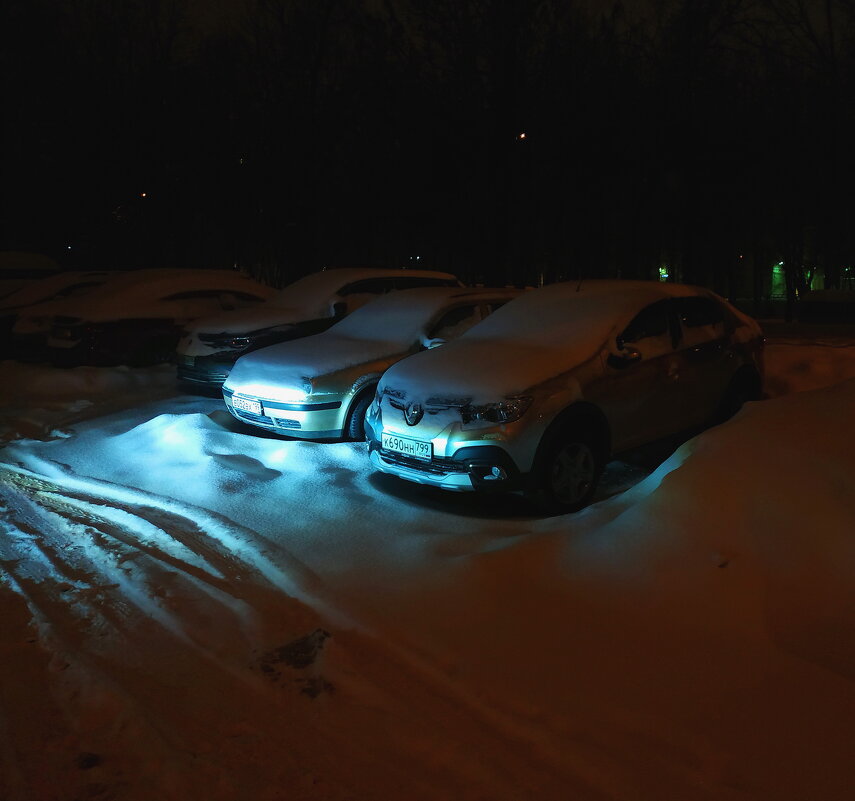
(299, 654)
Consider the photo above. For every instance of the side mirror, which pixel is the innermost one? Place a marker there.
(427, 343)
(628, 356)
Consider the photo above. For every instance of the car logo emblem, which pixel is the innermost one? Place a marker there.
(413, 413)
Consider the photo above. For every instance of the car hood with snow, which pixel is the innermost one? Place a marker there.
(313, 297)
(385, 329)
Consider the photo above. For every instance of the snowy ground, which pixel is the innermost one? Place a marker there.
(190, 610)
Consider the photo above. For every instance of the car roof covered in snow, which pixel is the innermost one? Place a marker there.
(122, 294)
(318, 288)
(47, 288)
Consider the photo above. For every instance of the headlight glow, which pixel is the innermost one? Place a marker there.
(506, 411)
(272, 391)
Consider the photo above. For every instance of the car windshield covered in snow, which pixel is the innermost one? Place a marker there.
(399, 318)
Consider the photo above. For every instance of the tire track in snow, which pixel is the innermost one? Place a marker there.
(225, 553)
(226, 559)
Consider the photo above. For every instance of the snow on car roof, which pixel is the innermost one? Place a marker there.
(539, 335)
(141, 286)
(318, 288)
(581, 310)
(47, 288)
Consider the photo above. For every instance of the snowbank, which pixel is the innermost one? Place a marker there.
(220, 615)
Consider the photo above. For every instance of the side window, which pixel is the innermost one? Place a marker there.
(651, 330)
(702, 320)
(370, 286)
(245, 297)
(650, 322)
(407, 282)
(455, 322)
(489, 308)
(196, 294)
(359, 293)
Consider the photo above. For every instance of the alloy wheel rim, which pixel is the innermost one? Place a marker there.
(572, 473)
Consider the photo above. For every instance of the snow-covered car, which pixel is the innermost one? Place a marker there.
(19, 268)
(28, 300)
(27, 325)
(539, 396)
(319, 387)
(308, 306)
(137, 318)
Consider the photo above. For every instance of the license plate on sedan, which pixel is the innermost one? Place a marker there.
(406, 446)
(247, 405)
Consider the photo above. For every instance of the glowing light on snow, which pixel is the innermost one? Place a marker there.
(173, 436)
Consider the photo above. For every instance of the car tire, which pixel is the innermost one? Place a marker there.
(568, 471)
(355, 427)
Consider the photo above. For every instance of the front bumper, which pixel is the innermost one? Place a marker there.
(205, 371)
(482, 468)
(320, 420)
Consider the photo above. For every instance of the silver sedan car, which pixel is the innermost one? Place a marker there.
(319, 387)
(539, 396)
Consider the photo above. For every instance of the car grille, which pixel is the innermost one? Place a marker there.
(436, 466)
(253, 418)
(203, 376)
(264, 420)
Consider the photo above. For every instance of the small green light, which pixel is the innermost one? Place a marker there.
(663, 273)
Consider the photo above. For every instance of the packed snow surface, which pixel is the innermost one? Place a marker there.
(192, 610)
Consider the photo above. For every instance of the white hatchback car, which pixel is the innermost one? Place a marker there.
(540, 395)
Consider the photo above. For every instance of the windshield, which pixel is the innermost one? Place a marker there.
(310, 292)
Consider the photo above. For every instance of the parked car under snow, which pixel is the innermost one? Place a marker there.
(319, 387)
(29, 326)
(137, 318)
(540, 395)
(308, 306)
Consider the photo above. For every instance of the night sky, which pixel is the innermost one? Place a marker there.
(505, 141)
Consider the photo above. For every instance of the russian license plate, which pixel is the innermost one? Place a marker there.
(406, 446)
(246, 405)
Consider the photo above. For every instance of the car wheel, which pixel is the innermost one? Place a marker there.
(568, 473)
(355, 428)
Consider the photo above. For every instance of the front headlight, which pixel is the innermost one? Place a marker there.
(506, 411)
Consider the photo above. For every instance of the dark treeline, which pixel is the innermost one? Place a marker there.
(708, 137)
